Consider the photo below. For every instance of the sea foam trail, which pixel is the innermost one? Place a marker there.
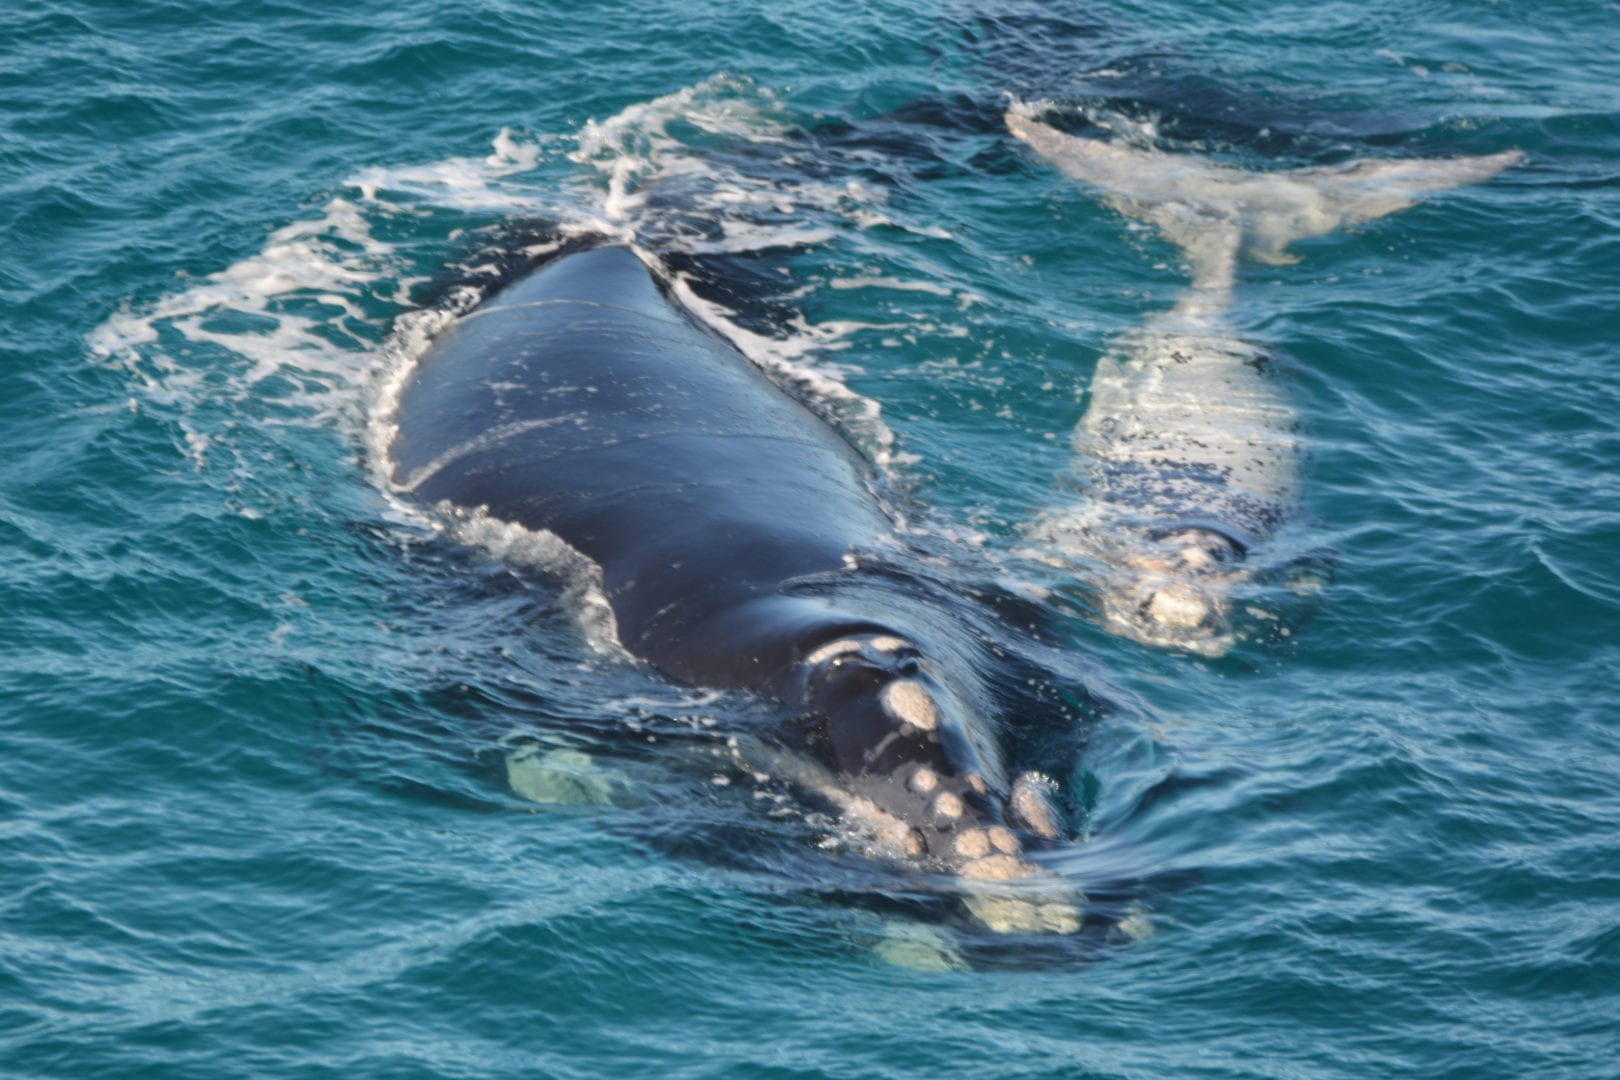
(1189, 450)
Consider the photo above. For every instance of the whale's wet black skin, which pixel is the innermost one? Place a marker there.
(584, 401)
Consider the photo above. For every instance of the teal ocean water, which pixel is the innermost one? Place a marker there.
(273, 803)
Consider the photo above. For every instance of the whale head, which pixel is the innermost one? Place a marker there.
(1175, 590)
(905, 771)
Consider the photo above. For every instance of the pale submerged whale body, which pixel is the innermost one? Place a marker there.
(1190, 450)
(583, 401)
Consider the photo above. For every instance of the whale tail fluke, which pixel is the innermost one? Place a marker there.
(1214, 212)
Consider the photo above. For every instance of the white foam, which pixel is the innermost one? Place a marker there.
(581, 577)
(460, 183)
(786, 361)
(898, 284)
(635, 145)
(301, 293)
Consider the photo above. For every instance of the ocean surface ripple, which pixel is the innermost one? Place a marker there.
(263, 811)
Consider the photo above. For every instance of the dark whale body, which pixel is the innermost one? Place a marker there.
(585, 402)
(581, 401)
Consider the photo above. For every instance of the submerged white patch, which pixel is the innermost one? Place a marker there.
(1022, 915)
(918, 947)
(1138, 923)
(998, 867)
(833, 649)
(559, 777)
(1178, 606)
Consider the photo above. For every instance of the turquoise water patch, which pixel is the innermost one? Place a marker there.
(259, 813)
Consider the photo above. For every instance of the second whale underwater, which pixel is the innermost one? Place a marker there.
(1190, 452)
(585, 402)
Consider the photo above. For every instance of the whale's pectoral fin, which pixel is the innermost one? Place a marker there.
(560, 777)
(918, 947)
(1202, 205)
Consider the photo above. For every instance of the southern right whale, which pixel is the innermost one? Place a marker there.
(1190, 450)
(585, 402)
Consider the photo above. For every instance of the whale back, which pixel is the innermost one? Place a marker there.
(585, 402)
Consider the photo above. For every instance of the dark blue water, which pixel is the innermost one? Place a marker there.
(264, 809)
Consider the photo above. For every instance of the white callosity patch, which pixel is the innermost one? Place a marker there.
(923, 780)
(907, 701)
(1004, 841)
(1187, 443)
(832, 650)
(863, 825)
(1003, 891)
(1031, 805)
(972, 844)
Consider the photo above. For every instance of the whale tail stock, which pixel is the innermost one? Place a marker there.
(1216, 212)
